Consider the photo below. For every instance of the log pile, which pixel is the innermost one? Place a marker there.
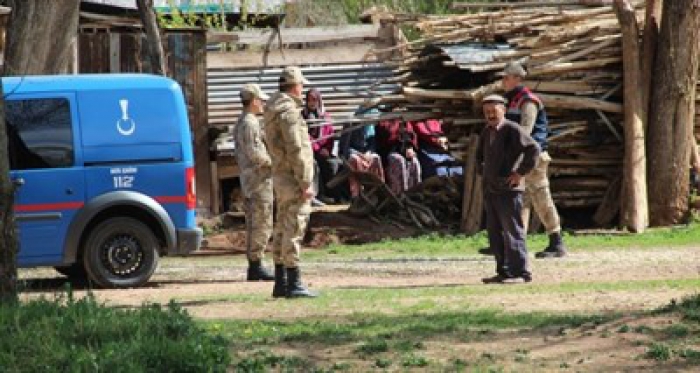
(574, 60)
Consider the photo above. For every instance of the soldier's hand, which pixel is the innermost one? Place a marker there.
(308, 193)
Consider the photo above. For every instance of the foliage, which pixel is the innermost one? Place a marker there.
(69, 335)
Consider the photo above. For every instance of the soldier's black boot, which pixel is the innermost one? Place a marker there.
(295, 289)
(256, 272)
(280, 288)
(555, 249)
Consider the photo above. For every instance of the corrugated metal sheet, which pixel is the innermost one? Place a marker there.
(343, 87)
(467, 55)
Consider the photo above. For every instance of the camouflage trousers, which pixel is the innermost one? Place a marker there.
(538, 196)
(258, 220)
(292, 218)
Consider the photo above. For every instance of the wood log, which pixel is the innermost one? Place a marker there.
(610, 205)
(634, 213)
(472, 200)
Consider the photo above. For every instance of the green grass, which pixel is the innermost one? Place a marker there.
(83, 336)
(436, 245)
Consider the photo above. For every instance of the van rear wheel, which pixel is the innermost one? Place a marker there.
(120, 253)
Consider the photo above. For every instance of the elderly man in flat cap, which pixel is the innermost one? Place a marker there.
(525, 108)
(505, 154)
(292, 173)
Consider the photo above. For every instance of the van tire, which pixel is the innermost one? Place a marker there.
(120, 253)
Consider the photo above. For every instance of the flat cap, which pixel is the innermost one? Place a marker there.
(514, 68)
(293, 75)
(251, 91)
(494, 99)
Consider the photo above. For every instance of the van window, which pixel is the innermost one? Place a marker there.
(39, 132)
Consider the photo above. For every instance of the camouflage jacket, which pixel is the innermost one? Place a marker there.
(287, 139)
(251, 153)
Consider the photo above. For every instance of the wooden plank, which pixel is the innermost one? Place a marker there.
(307, 35)
(530, 4)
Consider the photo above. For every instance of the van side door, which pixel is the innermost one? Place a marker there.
(44, 151)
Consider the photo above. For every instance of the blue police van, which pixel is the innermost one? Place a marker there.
(103, 174)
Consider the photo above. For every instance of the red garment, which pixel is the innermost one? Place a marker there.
(388, 135)
(429, 132)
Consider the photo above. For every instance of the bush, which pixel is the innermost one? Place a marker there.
(84, 336)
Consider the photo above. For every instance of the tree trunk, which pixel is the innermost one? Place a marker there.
(39, 37)
(8, 239)
(651, 34)
(672, 113)
(155, 46)
(634, 209)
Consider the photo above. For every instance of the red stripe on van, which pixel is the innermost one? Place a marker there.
(49, 206)
(171, 199)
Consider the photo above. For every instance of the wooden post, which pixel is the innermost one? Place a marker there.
(635, 210)
(473, 200)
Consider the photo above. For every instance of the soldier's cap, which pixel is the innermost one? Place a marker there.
(251, 91)
(494, 99)
(515, 69)
(293, 75)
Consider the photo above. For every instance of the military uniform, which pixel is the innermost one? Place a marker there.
(256, 180)
(288, 141)
(256, 183)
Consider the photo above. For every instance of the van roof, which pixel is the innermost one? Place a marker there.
(83, 82)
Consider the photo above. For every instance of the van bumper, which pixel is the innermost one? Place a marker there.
(188, 241)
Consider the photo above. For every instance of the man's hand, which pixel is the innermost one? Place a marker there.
(308, 193)
(514, 179)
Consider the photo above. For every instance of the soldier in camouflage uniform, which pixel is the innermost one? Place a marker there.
(526, 108)
(292, 173)
(256, 180)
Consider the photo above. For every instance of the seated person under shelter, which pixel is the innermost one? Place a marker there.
(397, 143)
(433, 154)
(358, 147)
(326, 165)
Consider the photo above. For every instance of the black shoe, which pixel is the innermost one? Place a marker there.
(497, 279)
(522, 279)
(295, 289)
(486, 251)
(256, 272)
(555, 249)
(280, 288)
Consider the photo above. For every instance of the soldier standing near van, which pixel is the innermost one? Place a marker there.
(292, 172)
(526, 108)
(256, 180)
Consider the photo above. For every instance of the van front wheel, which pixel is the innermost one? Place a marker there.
(120, 253)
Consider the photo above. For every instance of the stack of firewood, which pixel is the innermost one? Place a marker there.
(574, 63)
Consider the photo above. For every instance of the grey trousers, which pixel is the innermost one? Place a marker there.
(506, 233)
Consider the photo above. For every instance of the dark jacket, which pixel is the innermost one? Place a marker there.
(512, 150)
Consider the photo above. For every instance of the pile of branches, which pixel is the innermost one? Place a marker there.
(574, 62)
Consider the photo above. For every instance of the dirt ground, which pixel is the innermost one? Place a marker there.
(213, 286)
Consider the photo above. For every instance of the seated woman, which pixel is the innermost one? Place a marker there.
(321, 136)
(398, 143)
(358, 147)
(433, 154)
